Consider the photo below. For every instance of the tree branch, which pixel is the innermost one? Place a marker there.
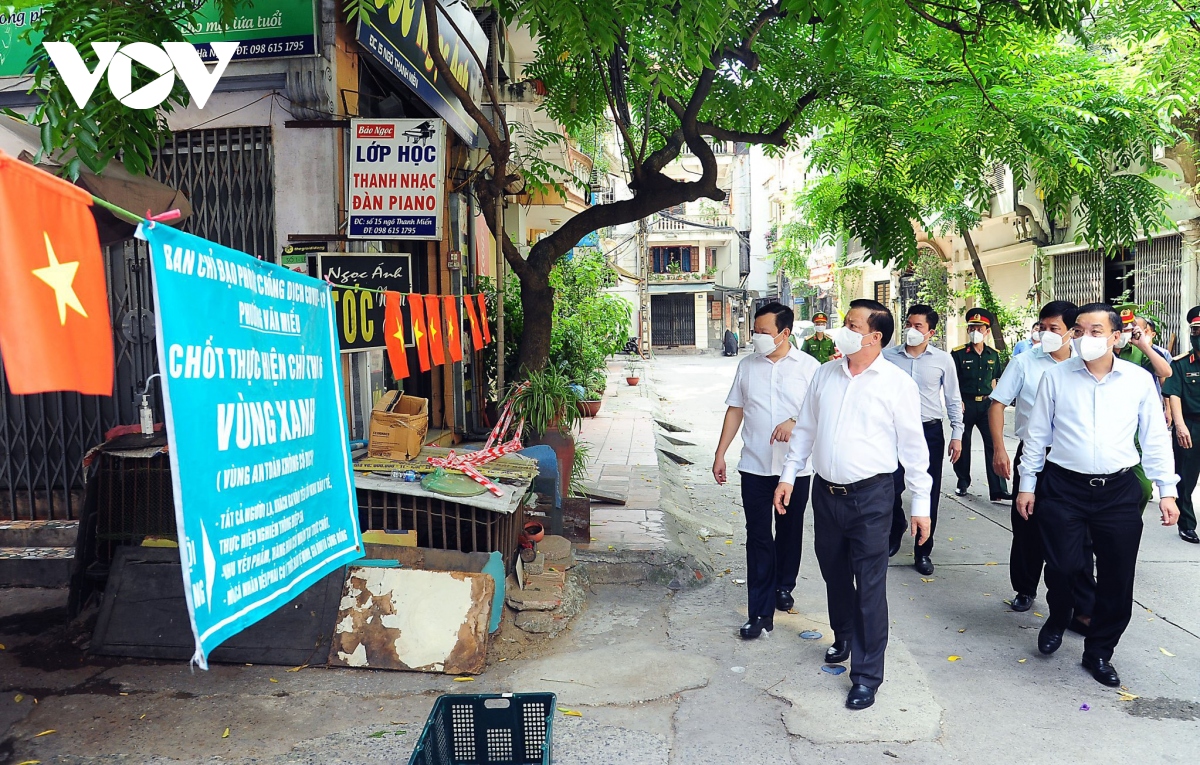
(1191, 19)
(776, 137)
(952, 26)
(512, 255)
(468, 103)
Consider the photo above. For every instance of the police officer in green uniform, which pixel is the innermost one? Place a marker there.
(1135, 347)
(979, 368)
(1182, 390)
(820, 345)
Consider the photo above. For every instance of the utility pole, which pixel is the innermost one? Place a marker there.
(643, 256)
(499, 227)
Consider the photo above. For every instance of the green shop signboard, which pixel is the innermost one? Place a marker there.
(266, 29)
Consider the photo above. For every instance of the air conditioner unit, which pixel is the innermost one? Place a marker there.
(1027, 197)
(1160, 152)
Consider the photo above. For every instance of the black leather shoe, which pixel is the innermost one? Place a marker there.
(860, 697)
(1049, 639)
(1102, 670)
(838, 652)
(1189, 536)
(784, 600)
(923, 565)
(894, 547)
(961, 491)
(1079, 627)
(755, 627)
(1002, 497)
(1022, 602)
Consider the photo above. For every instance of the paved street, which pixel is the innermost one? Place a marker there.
(658, 673)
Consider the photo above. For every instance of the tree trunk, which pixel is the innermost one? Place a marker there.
(981, 275)
(537, 302)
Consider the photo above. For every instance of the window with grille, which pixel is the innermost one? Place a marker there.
(883, 293)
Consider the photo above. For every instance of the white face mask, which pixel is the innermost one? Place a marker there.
(765, 344)
(1051, 341)
(819, 327)
(976, 337)
(1091, 348)
(913, 337)
(847, 341)
(1124, 339)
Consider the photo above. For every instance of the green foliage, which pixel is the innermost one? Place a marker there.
(545, 401)
(589, 324)
(934, 287)
(105, 129)
(790, 253)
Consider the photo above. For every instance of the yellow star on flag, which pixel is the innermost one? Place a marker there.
(450, 330)
(417, 333)
(60, 277)
(399, 333)
(432, 331)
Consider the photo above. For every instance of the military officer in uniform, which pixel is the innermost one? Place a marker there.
(1182, 390)
(820, 345)
(978, 367)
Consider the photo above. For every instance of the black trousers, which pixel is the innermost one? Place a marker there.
(935, 438)
(1187, 464)
(975, 416)
(772, 560)
(851, 542)
(1025, 557)
(1071, 507)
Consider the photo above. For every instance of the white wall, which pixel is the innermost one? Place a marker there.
(760, 220)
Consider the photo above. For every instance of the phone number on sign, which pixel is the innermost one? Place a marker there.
(249, 50)
(381, 226)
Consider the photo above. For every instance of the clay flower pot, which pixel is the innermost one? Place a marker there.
(534, 532)
(588, 408)
(632, 380)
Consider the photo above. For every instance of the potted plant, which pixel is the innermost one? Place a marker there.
(589, 403)
(548, 405)
(633, 373)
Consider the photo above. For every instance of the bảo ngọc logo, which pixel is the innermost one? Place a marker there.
(170, 59)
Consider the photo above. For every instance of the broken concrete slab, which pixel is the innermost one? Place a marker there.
(531, 599)
(905, 709)
(428, 621)
(555, 548)
(627, 673)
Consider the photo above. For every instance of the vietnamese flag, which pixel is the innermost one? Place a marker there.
(483, 321)
(417, 309)
(393, 335)
(453, 331)
(55, 332)
(433, 313)
(476, 335)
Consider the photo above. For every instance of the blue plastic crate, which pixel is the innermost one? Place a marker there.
(482, 729)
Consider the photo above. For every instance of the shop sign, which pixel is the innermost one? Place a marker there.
(266, 29)
(397, 179)
(260, 464)
(398, 37)
(359, 314)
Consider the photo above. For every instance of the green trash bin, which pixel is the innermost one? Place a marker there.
(481, 729)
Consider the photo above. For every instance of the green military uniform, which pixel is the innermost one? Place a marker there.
(1184, 384)
(1135, 355)
(976, 374)
(820, 348)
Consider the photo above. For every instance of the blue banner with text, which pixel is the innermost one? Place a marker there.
(264, 493)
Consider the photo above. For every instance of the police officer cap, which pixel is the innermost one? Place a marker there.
(818, 317)
(1193, 315)
(1127, 315)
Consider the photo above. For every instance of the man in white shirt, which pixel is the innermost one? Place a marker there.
(860, 421)
(1018, 386)
(937, 379)
(1087, 412)
(768, 390)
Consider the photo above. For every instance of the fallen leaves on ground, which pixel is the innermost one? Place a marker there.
(570, 712)
(1040, 616)
(19, 698)
(1126, 696)
(382, 733)
(991, 563)
(953, 658)
(225, 734)
(46, 733)
(728, 541)
(273, 680)
(297, 669)
(927, 581)
(964, 629)
(1165, 651)
(464, 679)
(1022, 661)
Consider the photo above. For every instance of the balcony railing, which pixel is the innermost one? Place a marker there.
(718, 147)
(691, 222)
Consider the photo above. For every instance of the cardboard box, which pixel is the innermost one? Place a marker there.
(393, 538)
(399, 424)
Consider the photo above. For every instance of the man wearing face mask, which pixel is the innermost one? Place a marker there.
(765, 400)
(1029, 343)
(1018, 386)
(1087, 412)
(1183, 395)
(933, 371)
(819, 346)
(860, 421)
(978, 368)
(1135, 346)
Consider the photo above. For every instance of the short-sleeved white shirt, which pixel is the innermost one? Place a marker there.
(768, 393)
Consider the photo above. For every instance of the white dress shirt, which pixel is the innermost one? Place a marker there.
(937, 379)
(856, 427)
(1019, 384)
(769, 393)
(1089, 425)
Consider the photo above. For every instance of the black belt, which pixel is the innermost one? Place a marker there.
(931, 422)
(1091, 479)
(844, 489)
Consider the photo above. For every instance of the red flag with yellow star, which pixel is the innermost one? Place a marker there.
(483, 322)
(433, 313)
(55, 332)
(393, 334)
(476, 335)
(417, 308)
(453, 332)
